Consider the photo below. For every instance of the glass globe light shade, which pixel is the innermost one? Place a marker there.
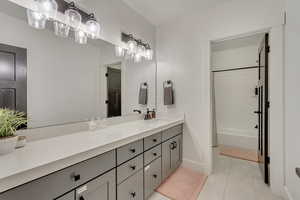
(149, 54)
(132, 47)
(61, 29)
(137, 58)
(73, 17)
(48, 8)
(93, 27)
(80, 37)
(141, 50)
(119, 51)
(36, 19)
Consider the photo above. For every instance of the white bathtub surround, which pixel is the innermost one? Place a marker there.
(41, 157)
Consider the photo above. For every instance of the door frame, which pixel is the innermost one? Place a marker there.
(276, 85)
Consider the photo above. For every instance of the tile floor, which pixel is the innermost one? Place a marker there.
(233, 179)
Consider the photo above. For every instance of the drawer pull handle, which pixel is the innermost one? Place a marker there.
(154, 140)
(76, 177)
(154, 175)
(132, 150)
(81, 198)
(133, 167)
(133, 194)
(154, 154)
(175, 145)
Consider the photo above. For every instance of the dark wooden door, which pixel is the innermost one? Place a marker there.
(113, 92)
(13, 78)
(263, 109)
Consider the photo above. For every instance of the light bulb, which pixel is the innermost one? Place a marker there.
(132, 45)
(80, 37)
(36, 19)
(137, 58)
(93, 27)
(61, 29)
(48, 8)
(73, 17)
(119, 51)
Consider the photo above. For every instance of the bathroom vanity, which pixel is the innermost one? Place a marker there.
(130, 168)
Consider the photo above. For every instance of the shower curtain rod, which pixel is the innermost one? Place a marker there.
(234, 69)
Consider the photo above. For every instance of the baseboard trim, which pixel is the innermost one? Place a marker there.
(200, 167)
(288, 194)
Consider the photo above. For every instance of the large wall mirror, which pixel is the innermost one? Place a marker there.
(63, 81)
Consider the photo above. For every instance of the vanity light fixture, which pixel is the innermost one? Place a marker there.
(136, 49)
(93, 27)
(71, 18)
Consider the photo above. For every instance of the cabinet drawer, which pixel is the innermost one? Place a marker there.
(130, 167)
(152, 141)
(57, 183)
(132, 188)
(152, 154)
(129, 151)
(152, 177)
(171, 132)
(101, 188)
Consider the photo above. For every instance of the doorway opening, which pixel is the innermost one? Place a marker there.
(114, 95)
(240, 99)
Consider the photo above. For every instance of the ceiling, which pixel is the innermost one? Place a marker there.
(161, 11)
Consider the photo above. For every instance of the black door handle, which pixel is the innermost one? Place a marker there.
(76, 177)
(256, 126)
(132, 150)
(257, 112)
(133, 194)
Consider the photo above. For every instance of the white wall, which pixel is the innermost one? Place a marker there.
(235, 103)
(183, 49)
(292, 98)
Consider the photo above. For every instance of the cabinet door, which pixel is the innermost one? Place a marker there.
(132, 188)
(69, 196)
(175, 152)
(152, 173)
(101, 188)
(171, 155)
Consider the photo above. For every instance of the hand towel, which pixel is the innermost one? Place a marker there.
(143, 94)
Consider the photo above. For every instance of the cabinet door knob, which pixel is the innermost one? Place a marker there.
(298, 172)
(175, 145)
(132, 150)
(81, 198)
(171, 146)
(154, 154)
(76, 177)
(154, 175)
(133, 167)
(133, 194)
(154, 140)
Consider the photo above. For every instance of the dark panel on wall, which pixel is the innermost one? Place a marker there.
(13, 77)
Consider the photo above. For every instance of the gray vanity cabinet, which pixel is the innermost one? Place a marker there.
(101, 188)
(132, 188)
(171, 155)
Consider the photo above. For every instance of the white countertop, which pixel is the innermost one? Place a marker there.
(43, 157)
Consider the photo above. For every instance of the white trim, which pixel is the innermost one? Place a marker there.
(288, 195)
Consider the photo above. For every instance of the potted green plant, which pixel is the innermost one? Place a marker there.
(10, 121)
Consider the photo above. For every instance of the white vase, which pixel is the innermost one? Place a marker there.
(8, 144)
